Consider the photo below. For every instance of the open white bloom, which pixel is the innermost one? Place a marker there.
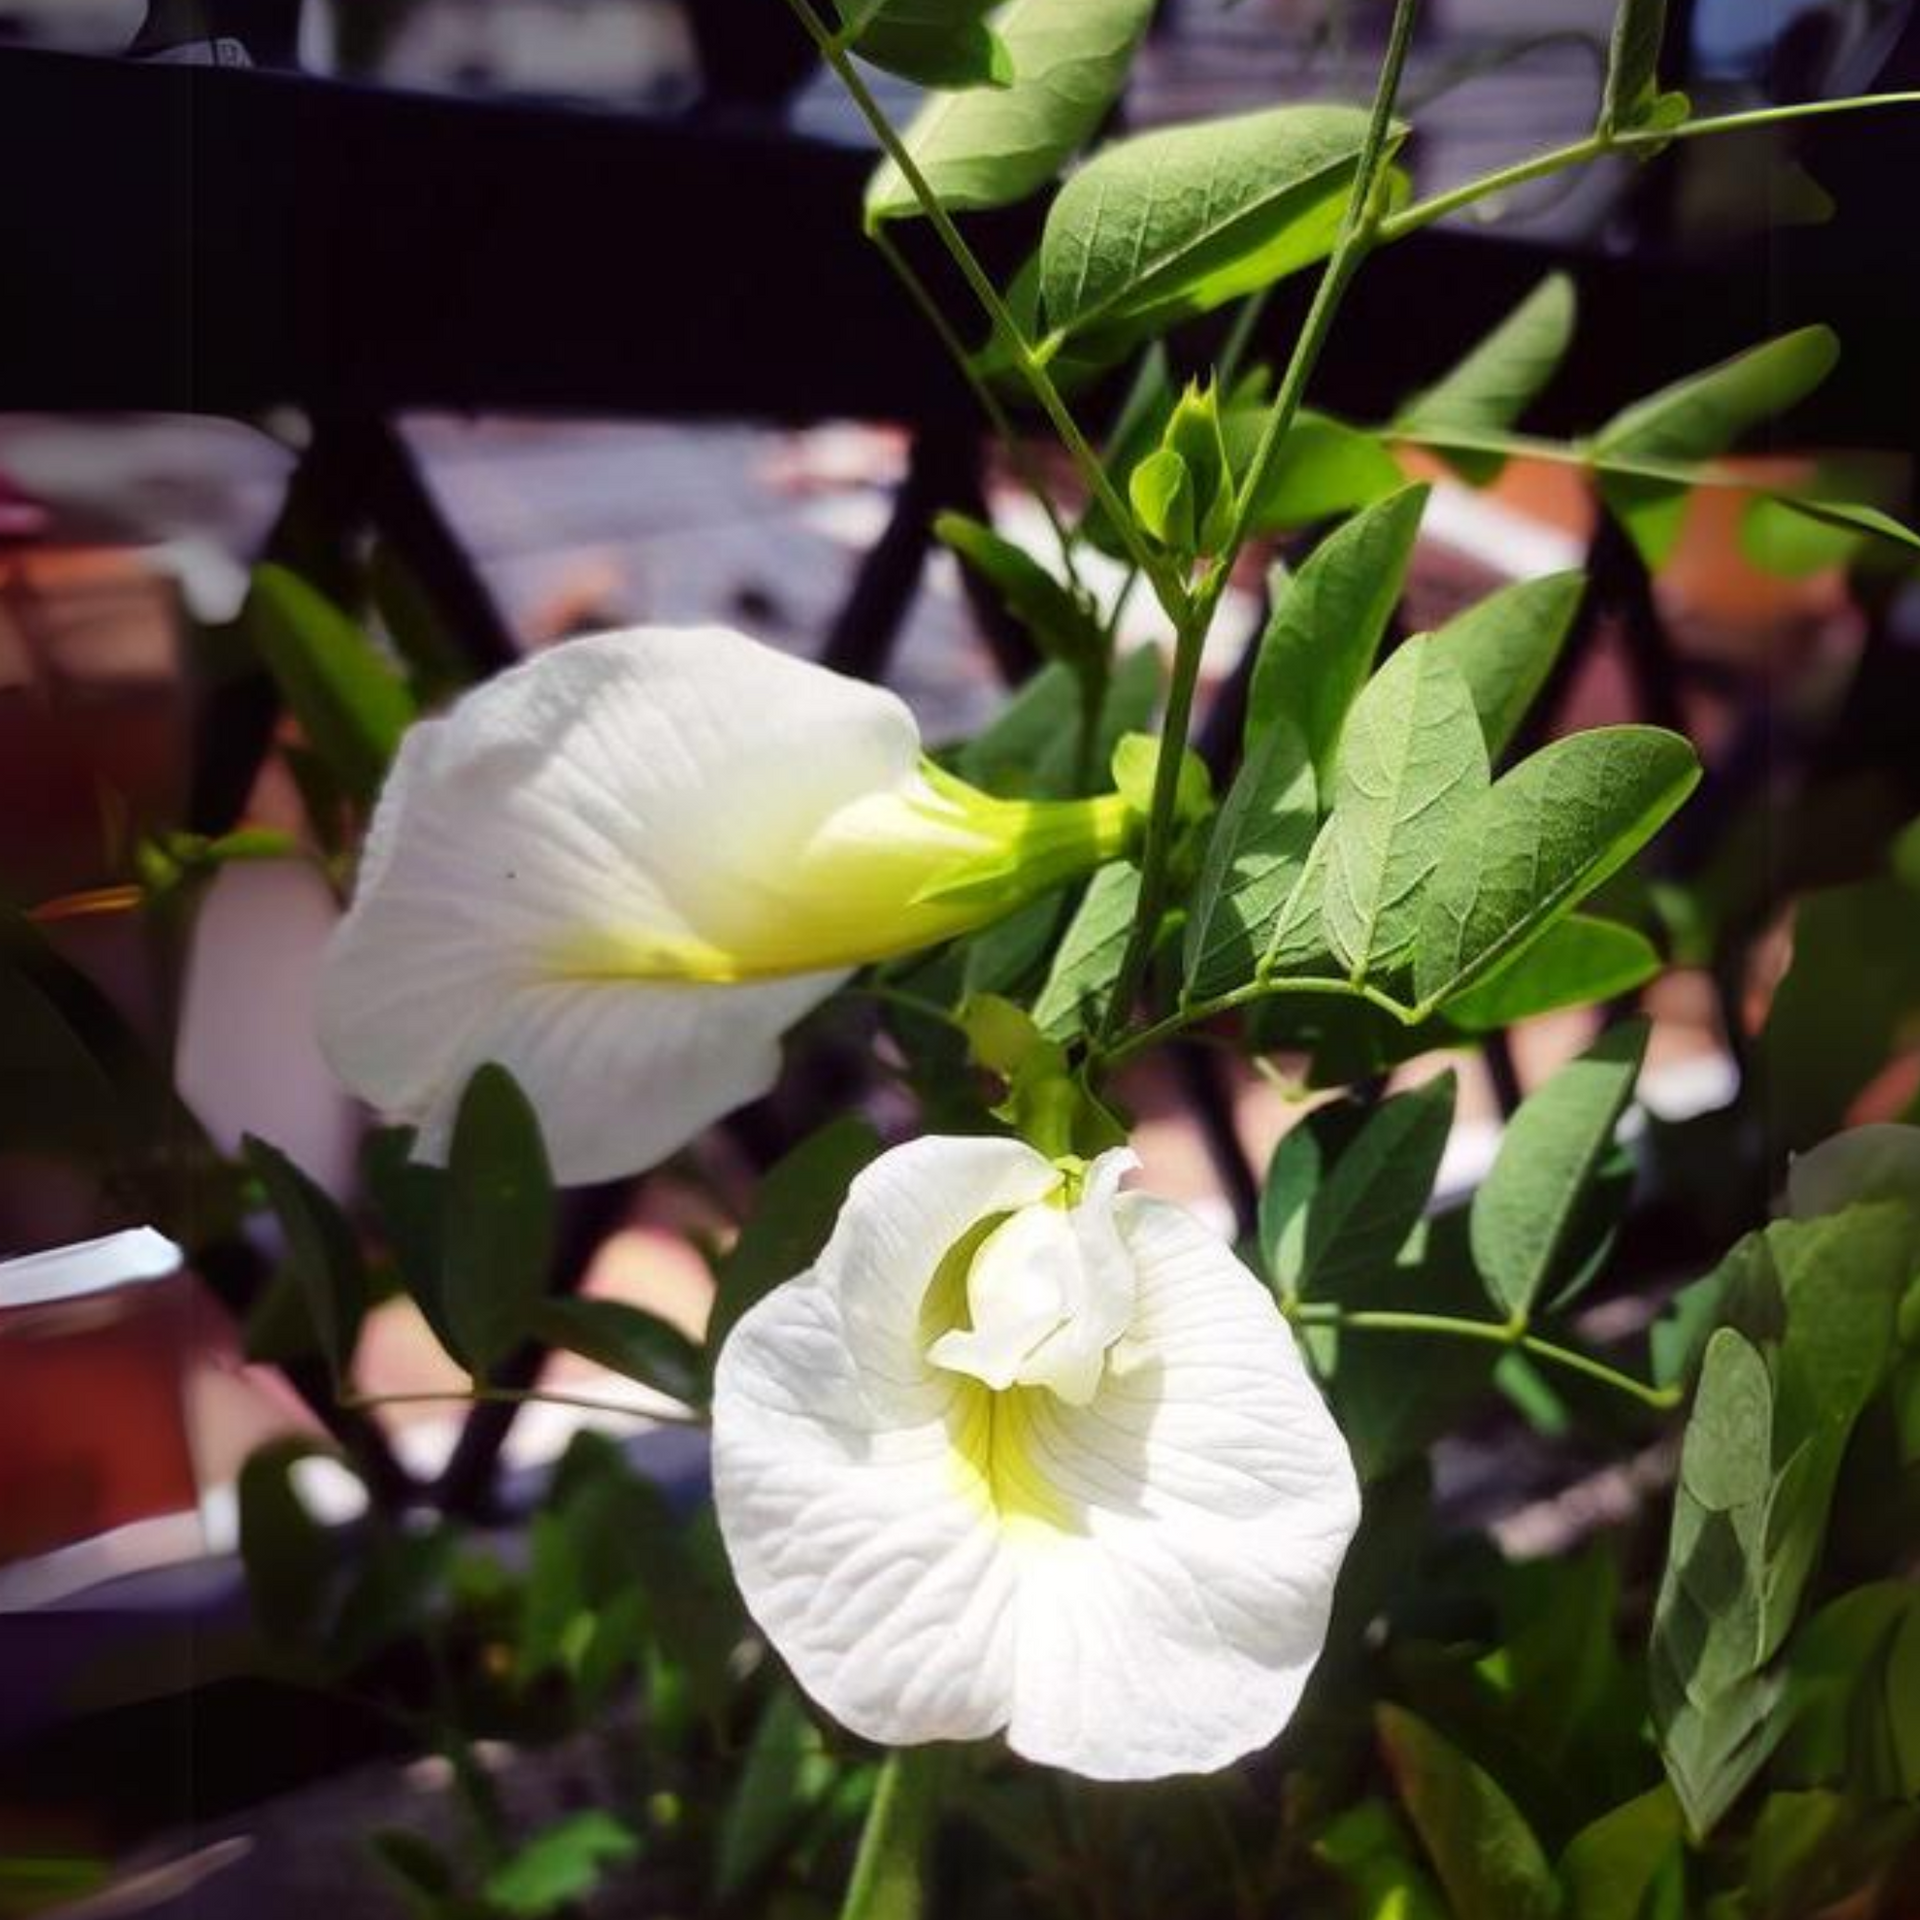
(1015, 1457)
(624, 868)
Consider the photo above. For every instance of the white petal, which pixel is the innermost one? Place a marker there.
(1072, 1362)
(860, 1545)
(1160, 1597)
(623, 1073)
(1018, 1290)
(1879, 1162)
(902, 1216)
(1171, 1626)
(655, 785)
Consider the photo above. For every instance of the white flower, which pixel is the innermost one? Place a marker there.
(624, 868)
(1011, 1458)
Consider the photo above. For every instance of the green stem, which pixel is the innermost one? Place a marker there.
(1006, 329)
(1358, 226)
(1494, 1333)
(1577, 153)
(515, 1396)
(983, 392)
(1190, 627)
(886, 1882)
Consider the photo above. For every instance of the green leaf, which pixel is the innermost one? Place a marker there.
(323, 1253)
(1062, 627)
(1809, 1852)
(1609, 1866)
(1700, 418)
(1703, 415)
(1161, 494)
(1487, 1858)
(1135, 769)
(1810, 1309)
(81, 1083)
(991, 147)
(499, 1221)
(1032, 747)
(1633, 59)
(1846, 1723)
(793, 1213)
(1505, 646)
(627, 1339)
(350, 703)
(562, 1865)
(1541, 839)
(289, 1559)
(1298, 947)
(1412, 763)
(1335, 1215)
(1726, 1460)
(784, 1774)
(939, 43)
(1528, 1207)
(887, 1882)
(1253, 861)
(1368, 1849)
(1496, 382)
(1324, 468)
(1179, 221)
(1574, 963)
(1327, 623)
(1010, 755)
(1087, 961)
(1769, 515)
(1852, 990)
(411, 1199)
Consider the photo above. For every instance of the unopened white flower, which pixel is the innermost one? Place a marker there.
(624, 868)
(1015, 1457)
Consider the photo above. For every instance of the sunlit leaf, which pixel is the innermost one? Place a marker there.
(1328, 620)
(1087, 961)
(1179, 221)
(939, 43)
(1324, 468)
(1412, 764)
(1541, 839)
(1253, 861)
(989, 147)
(1506, 645)
(1575, 962)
